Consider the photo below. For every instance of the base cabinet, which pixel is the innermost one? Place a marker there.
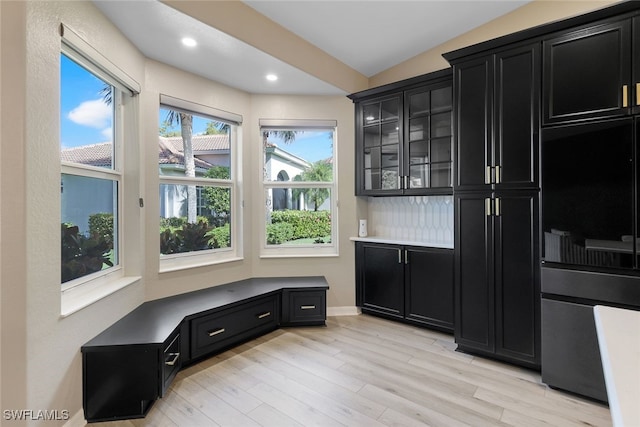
(131, 364)
(407, 283)
(570, 353)
(123, 382)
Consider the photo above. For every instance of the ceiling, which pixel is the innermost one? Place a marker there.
(368, 36)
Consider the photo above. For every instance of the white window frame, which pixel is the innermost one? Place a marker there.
(83, 291)
(186, 260)
(301, 251)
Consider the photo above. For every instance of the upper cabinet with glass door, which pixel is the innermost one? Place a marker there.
(404, 137)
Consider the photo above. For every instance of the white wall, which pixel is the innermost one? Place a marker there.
(41, 360)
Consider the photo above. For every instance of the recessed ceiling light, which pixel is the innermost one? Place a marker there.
(189, 42)
(271, 77)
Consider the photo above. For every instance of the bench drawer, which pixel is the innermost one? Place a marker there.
(224, 328)
(307, 307)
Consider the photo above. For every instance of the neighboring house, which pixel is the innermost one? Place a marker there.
(208, 150)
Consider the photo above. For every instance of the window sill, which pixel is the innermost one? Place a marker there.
(79, 297)
(299, 255)
(178, 264)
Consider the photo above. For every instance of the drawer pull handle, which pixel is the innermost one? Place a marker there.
(173, 361)
(263, 315)
(625, 92)
(307, 307)
(216, 332)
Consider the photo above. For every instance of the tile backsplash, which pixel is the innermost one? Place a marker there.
(426, 219)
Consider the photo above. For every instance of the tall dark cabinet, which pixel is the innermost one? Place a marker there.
(497, 195)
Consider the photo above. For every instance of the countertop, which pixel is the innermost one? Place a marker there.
(392, 241)
(619, 342)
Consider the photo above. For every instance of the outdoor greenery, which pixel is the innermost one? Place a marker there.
(177, 235)
(85, 254)
(294, 225)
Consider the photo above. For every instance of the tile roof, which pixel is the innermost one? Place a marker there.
(93, 155)
(169, 151)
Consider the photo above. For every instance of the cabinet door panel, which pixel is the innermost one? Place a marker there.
(382, 279)
(635, 81)
(474, 296)
(517, 278)
(473, 122)
(517, 94)
(429, 287)
(585, 71)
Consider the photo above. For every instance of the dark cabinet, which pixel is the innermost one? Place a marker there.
(570, 353)
(592, 71)
(497, 276)
(380, 283)
(223, 328)
(124, 381)
(404, 137)
(497, 98)
(408, 283)
(303, 307)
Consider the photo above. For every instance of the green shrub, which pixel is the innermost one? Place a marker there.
(279, 233)
(101, 225)
(219, 237)
(306, 224)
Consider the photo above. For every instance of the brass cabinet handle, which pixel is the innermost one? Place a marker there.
(216, 332)
(487, 206)
(173, 361)
(263, 315)
(497, 203)
(638, 94)
(625, 96)
(307, 307)
(497, 175)
(487, 175)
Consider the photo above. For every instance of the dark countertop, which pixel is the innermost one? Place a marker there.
(153, 322)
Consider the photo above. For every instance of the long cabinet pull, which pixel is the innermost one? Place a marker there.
(263, 315)
(487, 175)
(638, 94)
(173, 361)
(307, 307)
(487, 206)
(497, 175)
(497, 203)
(625, 96)
(406, 256)
(399, 256)
(216, 332)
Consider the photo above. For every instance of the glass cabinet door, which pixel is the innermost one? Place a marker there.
(381, 144)
(429, 137)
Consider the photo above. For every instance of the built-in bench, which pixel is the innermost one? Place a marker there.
(132, 363)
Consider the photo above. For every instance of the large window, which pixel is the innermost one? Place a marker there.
(198, 192)
(91, 179)
(299, 183)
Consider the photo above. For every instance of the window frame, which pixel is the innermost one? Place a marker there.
(299, 251)
(186, 260)
(83, 291)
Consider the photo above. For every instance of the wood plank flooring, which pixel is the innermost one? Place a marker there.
(362, 371)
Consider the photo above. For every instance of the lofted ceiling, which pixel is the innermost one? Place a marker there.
(367, 36)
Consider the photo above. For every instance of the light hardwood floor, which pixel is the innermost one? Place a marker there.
(362, 371)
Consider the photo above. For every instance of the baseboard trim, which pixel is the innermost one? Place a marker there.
(343, 311)
(77, 420)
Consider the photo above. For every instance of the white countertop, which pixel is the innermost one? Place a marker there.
(378, 239)
(619, 342)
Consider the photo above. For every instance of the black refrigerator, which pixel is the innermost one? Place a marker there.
(590, 181)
